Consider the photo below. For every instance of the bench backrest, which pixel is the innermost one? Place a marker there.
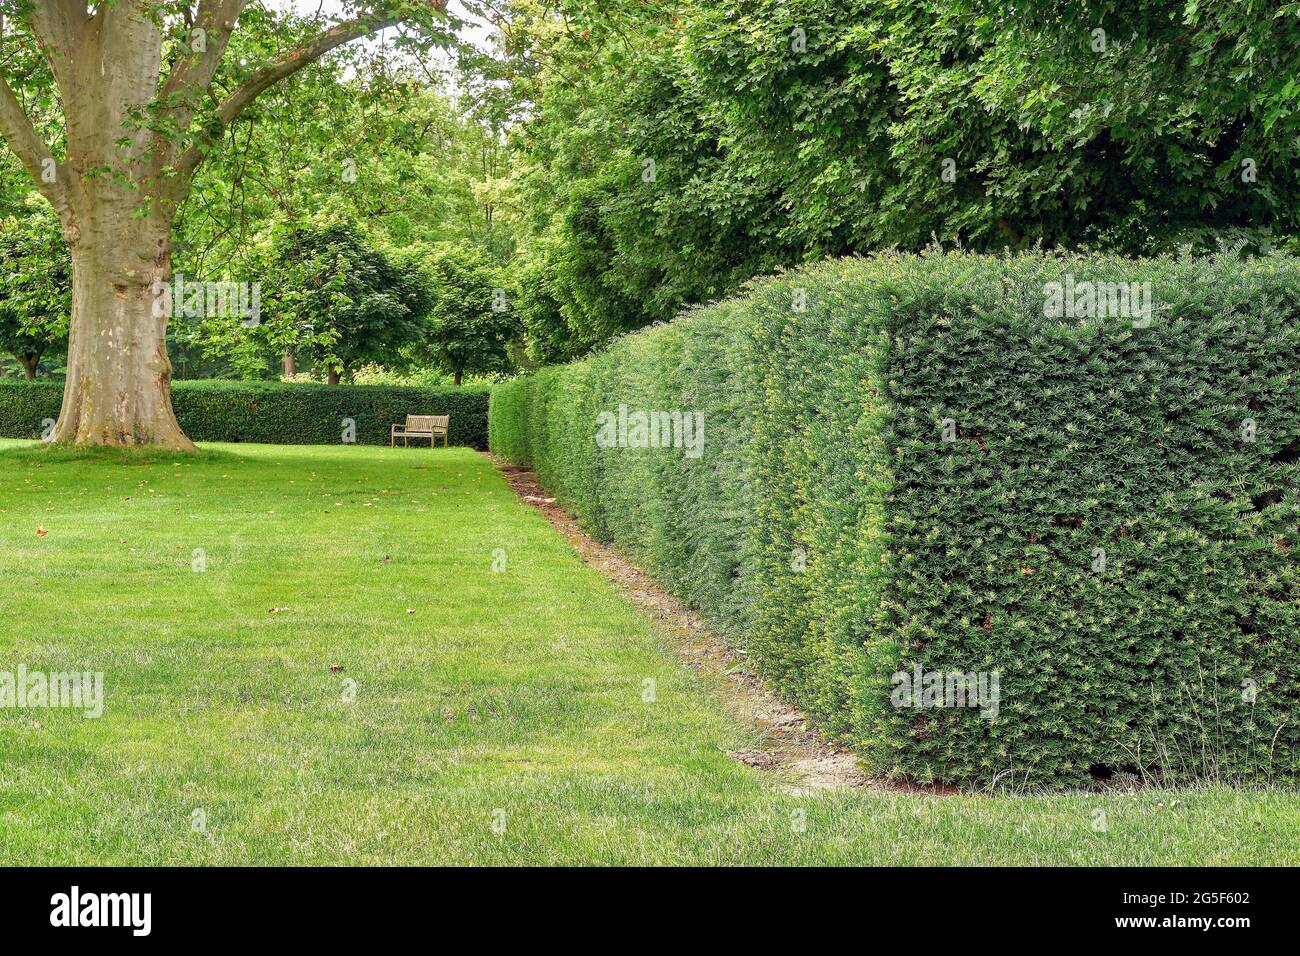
(426, 423)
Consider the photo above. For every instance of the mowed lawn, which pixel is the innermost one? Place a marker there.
(491, 707)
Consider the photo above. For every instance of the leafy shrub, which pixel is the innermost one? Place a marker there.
(338, 300)
(274, 412)
(924, 469)
(35, 286)
(470, 321)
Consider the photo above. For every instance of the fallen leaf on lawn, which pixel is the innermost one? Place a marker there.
(41, 532)
(277, 610)
(335, 668)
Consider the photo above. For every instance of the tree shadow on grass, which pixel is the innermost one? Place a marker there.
(39, 452)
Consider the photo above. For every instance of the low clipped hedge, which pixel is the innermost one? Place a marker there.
(923, 471)
(274, 412)
(24, 405)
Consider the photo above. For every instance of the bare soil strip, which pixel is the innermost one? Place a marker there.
(800, 757)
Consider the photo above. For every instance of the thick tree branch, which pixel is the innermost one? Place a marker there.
(59, 26)
(59, 22)
(193, 71)
(31, 151)
(191, 74)
(262, 80)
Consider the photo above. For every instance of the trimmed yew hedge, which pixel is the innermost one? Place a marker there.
(923, 469)
(274, 412)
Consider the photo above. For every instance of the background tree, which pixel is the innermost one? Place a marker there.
(471, 320)
(633, 205)
(339, 301)
(35, 285)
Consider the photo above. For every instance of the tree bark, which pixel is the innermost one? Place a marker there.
(28, 361)
(333, 375)
(290, 364)
(459, 372)
(118, 390)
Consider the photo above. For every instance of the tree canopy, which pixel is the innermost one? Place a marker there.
(670, 151)
(471, 320)
(340, 301)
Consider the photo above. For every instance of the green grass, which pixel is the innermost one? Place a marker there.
(517, 690)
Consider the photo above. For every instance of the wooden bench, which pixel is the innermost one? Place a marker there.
(420, 426)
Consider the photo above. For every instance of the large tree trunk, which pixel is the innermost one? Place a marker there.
(333, 375)
(459, 372)
(118, 390)
(29, 362)
(290, 364)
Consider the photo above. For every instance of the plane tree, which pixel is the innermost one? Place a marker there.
(146, 89)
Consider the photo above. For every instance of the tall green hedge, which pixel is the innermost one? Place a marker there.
(909, 462)
(274, 412)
